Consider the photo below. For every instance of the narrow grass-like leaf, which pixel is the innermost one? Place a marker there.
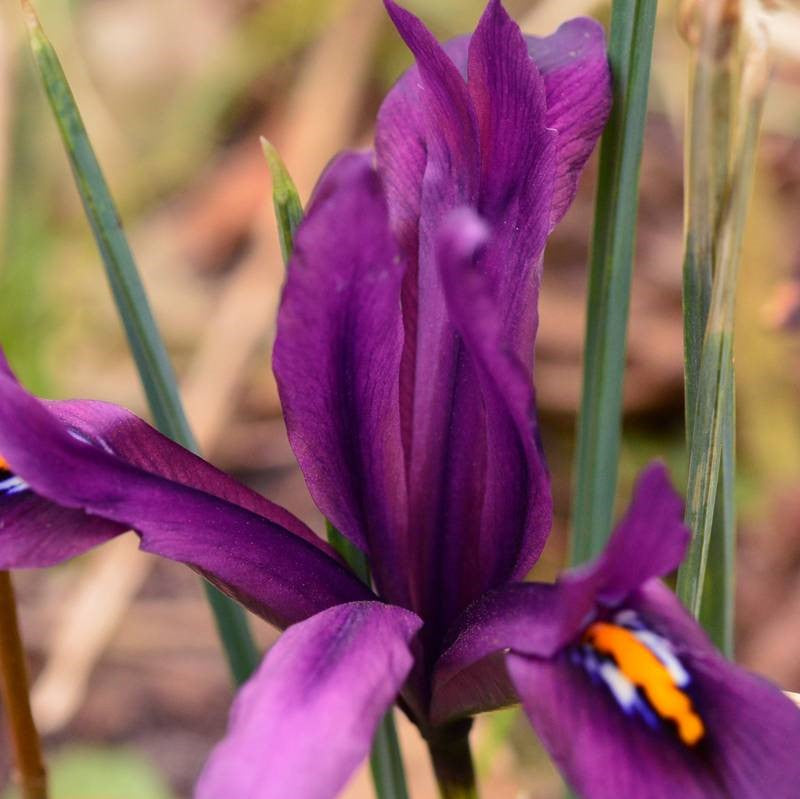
(717, 605)
(599, 423)
(710, 122)
(146, 344)
(148, 349)
(715, 381)
(385, 760)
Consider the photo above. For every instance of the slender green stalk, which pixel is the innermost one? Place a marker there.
(386, 761)
(715, 379)
(30, 772)
(146, 344)
(599, 423)
(701, 203)
(452, 761)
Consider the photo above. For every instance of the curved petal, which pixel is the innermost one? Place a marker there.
(337, 358)
(752, 731)
(118, 431)
(65, 454)
(537, 619)
(35, 533)
(305, 721)
(601, 752)
(649, 541)
(577, 84)
(449, 178)
(485, 147)
(516, 513)
(518, 168)
(577, 81)
(470, 677)
(432, 365)
(428, 106)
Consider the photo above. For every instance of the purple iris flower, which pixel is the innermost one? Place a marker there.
(404, 360)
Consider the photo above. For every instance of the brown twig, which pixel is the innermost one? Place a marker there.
(14, 691)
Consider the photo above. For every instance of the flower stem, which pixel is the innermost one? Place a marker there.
(386, 761)
(452, 761)
(14, 692)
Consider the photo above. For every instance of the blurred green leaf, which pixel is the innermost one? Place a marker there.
(709, 130)
(711, 440)
(26, 245)
(89, 773)
(148, 349)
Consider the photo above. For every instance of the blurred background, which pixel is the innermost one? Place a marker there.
(129, 683)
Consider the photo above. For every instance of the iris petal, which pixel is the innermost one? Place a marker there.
(305, 720)
(117, 474)
(337, 357)
(538, 620)
(751, 731)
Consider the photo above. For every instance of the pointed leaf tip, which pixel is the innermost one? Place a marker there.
(36, 33)
(281, 180)
(29, 12)
(288, 208)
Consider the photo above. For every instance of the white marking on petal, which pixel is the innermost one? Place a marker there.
(662, 649)
(623, 689)
(99, 441)
(13, 485)
(627, 618)
(78, 436)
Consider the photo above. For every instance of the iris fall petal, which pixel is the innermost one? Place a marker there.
(305, 720)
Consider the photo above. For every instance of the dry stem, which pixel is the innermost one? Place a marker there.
(14, 691)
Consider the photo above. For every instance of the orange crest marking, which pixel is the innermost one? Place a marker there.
(636, 662)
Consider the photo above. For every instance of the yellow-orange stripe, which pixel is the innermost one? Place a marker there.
(647, 672)
(4, 464)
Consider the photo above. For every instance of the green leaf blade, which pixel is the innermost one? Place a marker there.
(147, 346)
(599, 423)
